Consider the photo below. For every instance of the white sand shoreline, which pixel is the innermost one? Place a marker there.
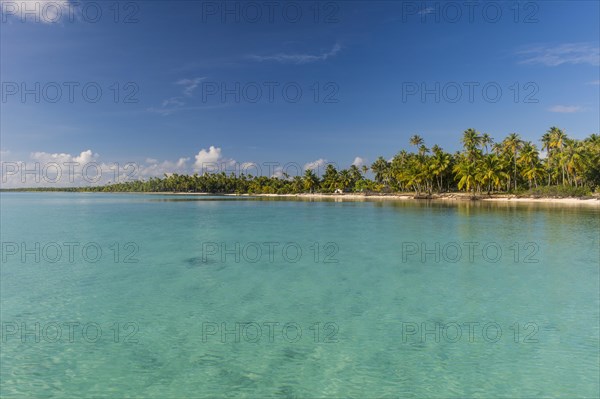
(591, 201)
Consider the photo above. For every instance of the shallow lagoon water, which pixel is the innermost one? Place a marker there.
(208, 296)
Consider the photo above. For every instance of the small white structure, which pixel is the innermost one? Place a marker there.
(338, 191)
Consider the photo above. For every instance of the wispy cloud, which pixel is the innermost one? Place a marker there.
(594, 83)
(167, 109)
(570, 53)
(425, 11)
(297, 58)
(566, 109)
(189, 85)
(172, 104)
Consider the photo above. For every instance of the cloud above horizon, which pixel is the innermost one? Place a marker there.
(315, 165)
(358, 162)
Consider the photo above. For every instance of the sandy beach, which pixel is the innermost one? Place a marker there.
(592, 201)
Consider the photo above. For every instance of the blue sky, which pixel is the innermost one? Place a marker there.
(359, 65)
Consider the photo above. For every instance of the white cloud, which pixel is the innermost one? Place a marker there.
(159, 169)
(212, 155)
(319, 163)
(425, 11)
(566, 109)
(278, 172)
(211, 160)
(594, 83)
(85, 157)
(358, 162)
(297, 58)
(189, 85)
(570, 53)
(176, 101)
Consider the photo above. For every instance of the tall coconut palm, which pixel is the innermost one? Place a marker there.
(574, 160)
(471, 142)
(513, 144)
(530, 163)
(439, 163)
(486, 140)
(557, 143)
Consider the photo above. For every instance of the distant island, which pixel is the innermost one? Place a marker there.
(571, 168)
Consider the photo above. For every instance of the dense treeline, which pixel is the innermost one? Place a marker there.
(512, 165)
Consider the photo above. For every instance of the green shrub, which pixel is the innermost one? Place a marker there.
(557, 191)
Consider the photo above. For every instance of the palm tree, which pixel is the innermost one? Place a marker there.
(345, 179)
(574, 160)
(557, 142)
(416, 140)
(531, 166)
(311, 181)
(486, 140)
(490, 172)
(512, 145)
(381, 169)
(471, 142)
(466, 174)
(330, 179)
(439, 164)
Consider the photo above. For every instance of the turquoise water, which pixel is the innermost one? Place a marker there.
(153, 328)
